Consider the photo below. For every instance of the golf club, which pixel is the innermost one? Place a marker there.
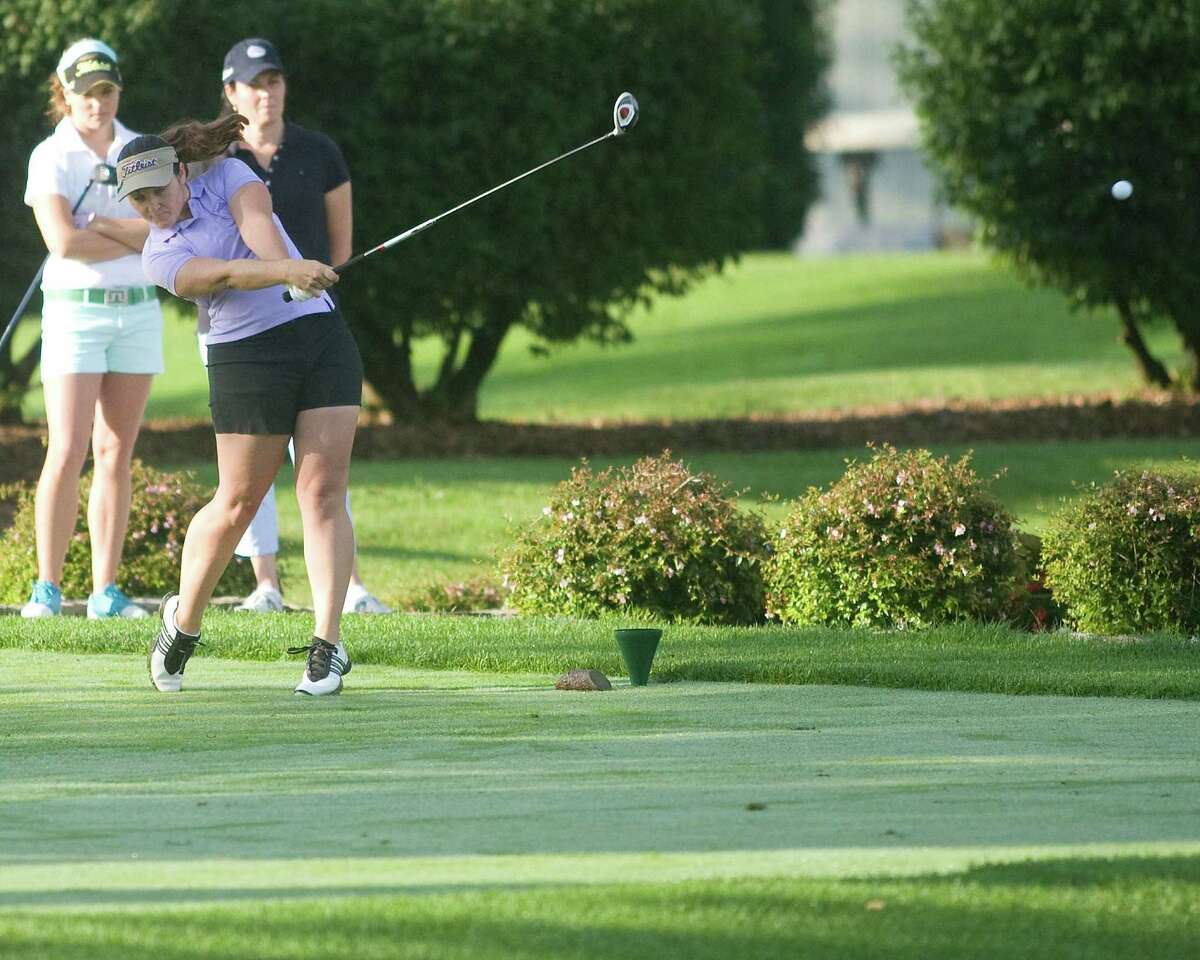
(625, 115)
(101, 173)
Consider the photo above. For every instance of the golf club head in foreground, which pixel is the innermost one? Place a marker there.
(625, 113)
(104, 173)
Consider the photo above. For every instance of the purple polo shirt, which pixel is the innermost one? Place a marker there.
(211, 232)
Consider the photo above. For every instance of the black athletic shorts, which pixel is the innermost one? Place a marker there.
(258, 385)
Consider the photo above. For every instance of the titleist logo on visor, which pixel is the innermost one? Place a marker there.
(137, 165)
(91, 66)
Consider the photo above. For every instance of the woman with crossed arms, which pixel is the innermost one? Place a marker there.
(101, 331)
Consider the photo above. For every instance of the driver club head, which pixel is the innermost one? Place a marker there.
(625, 113)
(104, 173)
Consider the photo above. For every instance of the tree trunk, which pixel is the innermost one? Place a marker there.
(1152, 370)
(456, 397)
(1189, 376)
(388, 369)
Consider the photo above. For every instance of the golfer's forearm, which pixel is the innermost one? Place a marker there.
(201, 277)
(255, 274)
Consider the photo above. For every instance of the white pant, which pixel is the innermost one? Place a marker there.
(261, 538)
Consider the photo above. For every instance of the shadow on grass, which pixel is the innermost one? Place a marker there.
(1134, 907)
(1095, 872)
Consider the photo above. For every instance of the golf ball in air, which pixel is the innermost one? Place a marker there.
(1122, 190)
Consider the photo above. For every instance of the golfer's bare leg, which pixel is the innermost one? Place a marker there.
(70, 405)
(324, 438)
(246, 467)
(118, 417)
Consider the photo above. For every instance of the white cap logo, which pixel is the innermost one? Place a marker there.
(255, 51)
(227, 73)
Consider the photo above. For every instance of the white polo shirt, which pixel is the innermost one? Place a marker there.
(63, 164)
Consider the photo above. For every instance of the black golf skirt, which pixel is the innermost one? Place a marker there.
(258, 385)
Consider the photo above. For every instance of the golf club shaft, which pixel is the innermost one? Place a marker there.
(33, 285)
(413, 231)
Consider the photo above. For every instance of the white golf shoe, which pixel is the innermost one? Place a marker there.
(262, 600)
(324, 669)
(359, 600)
(171, 649)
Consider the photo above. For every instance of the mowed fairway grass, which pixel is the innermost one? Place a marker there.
(454, 814)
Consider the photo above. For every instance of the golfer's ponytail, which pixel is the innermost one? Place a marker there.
(195, 141)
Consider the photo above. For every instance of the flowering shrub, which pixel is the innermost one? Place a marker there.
(162, 505)
(1126, 557)
(456, 596)
(906, 539)
(654, 540)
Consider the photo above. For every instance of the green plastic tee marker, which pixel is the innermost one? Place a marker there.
(638, 646)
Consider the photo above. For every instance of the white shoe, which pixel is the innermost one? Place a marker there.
(171, 649)
(262, 600)
(360, 601)
(324, 669)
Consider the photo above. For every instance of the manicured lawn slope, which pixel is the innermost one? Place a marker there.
(775, 335)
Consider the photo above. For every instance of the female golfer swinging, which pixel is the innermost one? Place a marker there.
(275, 370)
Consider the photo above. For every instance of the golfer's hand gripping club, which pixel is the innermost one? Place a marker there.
(625, 116)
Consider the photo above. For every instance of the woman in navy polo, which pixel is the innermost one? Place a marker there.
(310, 192)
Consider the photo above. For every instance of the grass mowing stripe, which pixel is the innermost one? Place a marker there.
(968, 657)
(1066, 911)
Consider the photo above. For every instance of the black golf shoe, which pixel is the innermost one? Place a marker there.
(171, 649)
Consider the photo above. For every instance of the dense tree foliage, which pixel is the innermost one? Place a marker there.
(434, 101)
(1032, 109)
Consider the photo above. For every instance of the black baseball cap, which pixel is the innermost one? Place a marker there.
(248, 58)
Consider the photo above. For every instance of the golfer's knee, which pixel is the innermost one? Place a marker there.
(323, 496)
(237, 507)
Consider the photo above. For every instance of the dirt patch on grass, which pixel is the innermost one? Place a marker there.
(920, 424)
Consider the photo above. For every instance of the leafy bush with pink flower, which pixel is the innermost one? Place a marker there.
(1125, 557)
(905, 539)
(162, 505)
(654, 540)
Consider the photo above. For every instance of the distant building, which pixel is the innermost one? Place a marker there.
(876, 193)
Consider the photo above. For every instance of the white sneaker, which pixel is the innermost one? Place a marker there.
(171, 649)
(324, 669)
(360, 601)
(262, 600)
